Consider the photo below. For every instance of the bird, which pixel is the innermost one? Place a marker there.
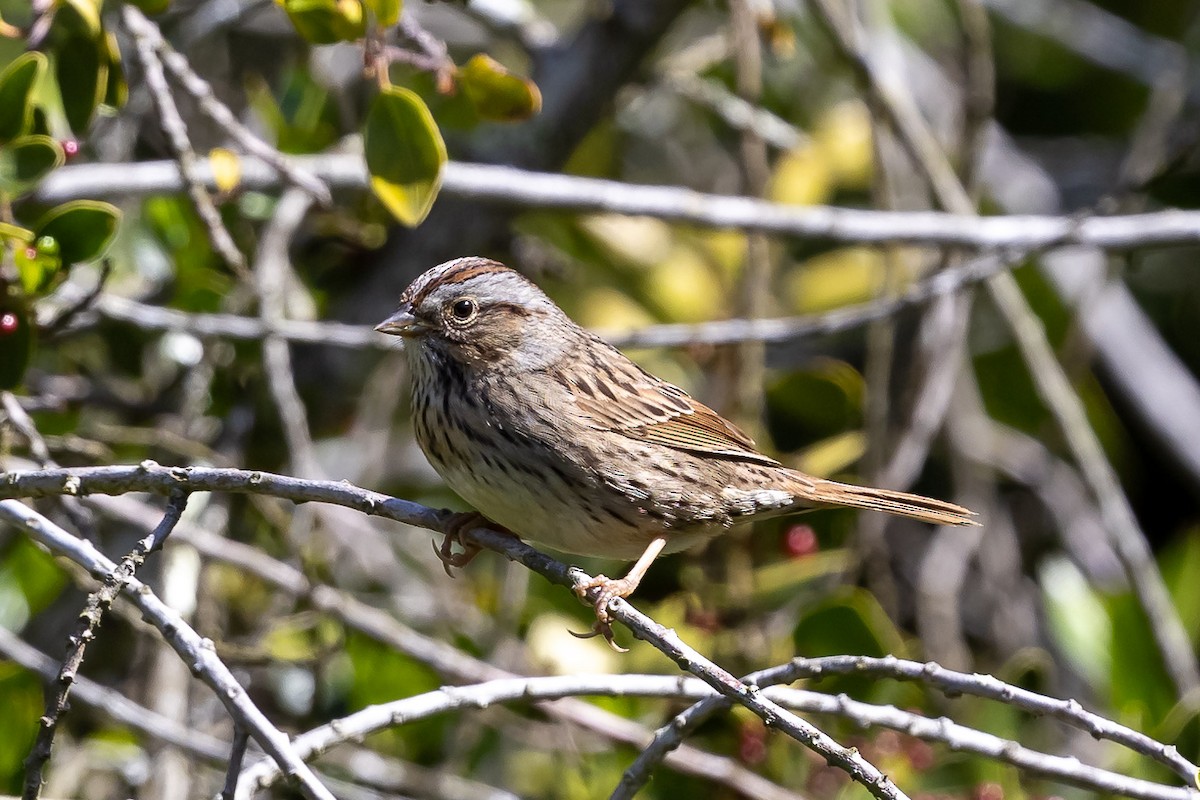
(553, 435)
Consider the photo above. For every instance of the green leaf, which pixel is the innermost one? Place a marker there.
(116, 90)
(404, 153)
(16, 341)
(386, 12)
(38, 264)
(152, 6)
(496, 93)
(1079, 624)
(88, 12)
(848, 621)
(25, 161)
(82, 72)
(15, 234)
(17, 82)
(83, 229)
(326, 21)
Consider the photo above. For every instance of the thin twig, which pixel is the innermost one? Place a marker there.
(271, 269)
(448, 661)
(361, 724)
(779, 330)
(1049, 379)
(115, 705)
(955, 683)
(20, 419)
(97, 606)
(143, 32)
(219, 113)
(149, 476)
(82, 304)
(237, 753)
(197, 652)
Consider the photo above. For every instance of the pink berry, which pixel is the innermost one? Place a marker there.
(8, 323)
(70, 147)
(31, 253)
(800, 541)
(752, 744)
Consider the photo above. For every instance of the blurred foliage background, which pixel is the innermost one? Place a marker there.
(1095, 111)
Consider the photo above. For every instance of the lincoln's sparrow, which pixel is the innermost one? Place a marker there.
(554, 434)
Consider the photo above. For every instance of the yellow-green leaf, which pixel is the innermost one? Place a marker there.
(83, 229)
(89, 13)
(17, 82)
(386, 12)
(226, 169)
(116, 90)
(15, 234)
(496, 93)
(404, 154)
(25, 161)
(326, 21)
(152, 6)
(38, 263)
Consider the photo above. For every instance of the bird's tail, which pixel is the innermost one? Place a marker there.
(821, 492)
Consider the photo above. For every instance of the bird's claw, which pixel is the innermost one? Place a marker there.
(455, 527)
(609, 590)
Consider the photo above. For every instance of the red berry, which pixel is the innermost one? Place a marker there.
(800, 541)
(752, 743)
(8, 323)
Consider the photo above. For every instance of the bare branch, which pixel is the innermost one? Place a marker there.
(271, 269)
(528, 189)
(219, 113)
(143, 32)
(97, 606)
(149, 476)
(114, 704)
(236, 753)
(956, 683)
(783, 329)
(445, 659)
(196, 651)
(957, 737)
(1048, 376)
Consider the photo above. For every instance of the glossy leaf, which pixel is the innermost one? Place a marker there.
(25, 161)
(116, 90)
(496, 93)
(15, 234)
(16, 341)
(88, 12)
(82, 72)
(404, 153)
(386, 12)
(83, 229)
(152, 6)
(17, 83)
(38, 264)
(326, 21)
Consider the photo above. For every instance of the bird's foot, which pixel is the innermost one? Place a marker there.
(609, 590)
(455, 527)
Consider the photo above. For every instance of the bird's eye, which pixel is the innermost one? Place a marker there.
(464, 309)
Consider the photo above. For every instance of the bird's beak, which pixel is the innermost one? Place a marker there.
(402, 323)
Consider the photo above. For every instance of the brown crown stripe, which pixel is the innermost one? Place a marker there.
(479, 267)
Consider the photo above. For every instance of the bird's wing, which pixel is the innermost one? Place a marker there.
(612, 393)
